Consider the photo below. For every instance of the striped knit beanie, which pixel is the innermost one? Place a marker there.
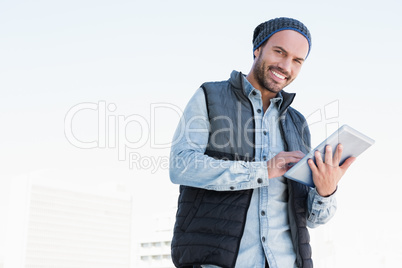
(266, 29)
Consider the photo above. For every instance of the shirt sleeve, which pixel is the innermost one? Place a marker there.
(320, 209)
(190, 166)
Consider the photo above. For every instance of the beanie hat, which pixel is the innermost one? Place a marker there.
(266, 29)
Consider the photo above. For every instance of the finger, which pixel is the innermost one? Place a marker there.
(328, 154)
(297, 154)
(293, 159)
(347, 163)
(294, 154)
(312, 165)
(338, 155)
(286, 167)
(284, 161)
(318, 159)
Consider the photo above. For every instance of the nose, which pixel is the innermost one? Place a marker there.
(285, 64)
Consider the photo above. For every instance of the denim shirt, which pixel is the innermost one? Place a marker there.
(267, 232)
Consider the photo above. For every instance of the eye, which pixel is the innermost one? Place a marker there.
(279, 52)
(298, 61)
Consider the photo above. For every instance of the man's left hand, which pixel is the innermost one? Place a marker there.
(327, 173)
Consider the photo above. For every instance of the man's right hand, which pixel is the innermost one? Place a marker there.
(279, 164)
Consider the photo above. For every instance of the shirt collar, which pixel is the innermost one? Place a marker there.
(248, 90)
(278, 100)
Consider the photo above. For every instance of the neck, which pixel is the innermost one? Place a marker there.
(266, 95)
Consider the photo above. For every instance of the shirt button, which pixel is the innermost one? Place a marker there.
(259, 111)
(232, 188)
(264, 157)
(259, 180)
(264, 132)
(262, 213)
(263, 239)
(254, 93)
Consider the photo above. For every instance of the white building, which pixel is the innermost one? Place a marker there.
(153, 244)
(57, 225)
(154, 251)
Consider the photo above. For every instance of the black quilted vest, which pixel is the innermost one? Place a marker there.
(210, 224)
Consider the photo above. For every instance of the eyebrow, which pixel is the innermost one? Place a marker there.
(283, 50)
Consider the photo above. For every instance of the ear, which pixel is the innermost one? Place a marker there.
(257, 52)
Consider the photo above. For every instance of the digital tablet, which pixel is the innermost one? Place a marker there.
(354, 143)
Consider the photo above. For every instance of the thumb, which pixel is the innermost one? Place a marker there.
(347, 163)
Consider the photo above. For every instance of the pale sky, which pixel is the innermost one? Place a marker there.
(135, 57)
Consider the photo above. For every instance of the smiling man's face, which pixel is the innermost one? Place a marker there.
(279, 61)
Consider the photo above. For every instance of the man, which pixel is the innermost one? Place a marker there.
(231, 149)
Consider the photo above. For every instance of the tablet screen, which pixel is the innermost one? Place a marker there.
(354, 143)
